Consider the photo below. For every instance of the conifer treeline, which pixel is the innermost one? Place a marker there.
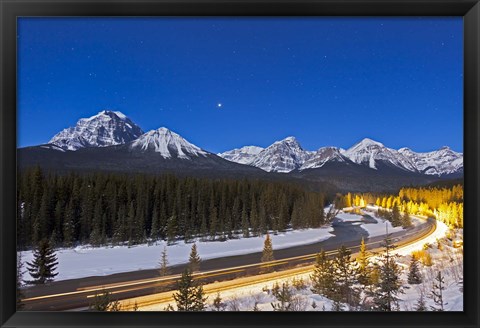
(445, 204)
(109, 208)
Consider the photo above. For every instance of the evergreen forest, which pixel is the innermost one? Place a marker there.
(116, 209)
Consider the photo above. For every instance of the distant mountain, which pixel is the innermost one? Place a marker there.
(243, 155)
(282, 156)
(439, 162)
(373, 153)
(168, 144)
(107, 128)
(324, 155)
(287, 156)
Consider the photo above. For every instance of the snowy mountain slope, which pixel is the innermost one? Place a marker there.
(438, 162)
(244, 155)
(370, 152)
(169, 144)
(107, 128)
(282, 156)
(322, 156)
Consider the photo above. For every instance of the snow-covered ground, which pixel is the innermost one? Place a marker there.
(87, 261)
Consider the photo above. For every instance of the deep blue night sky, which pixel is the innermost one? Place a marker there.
(327, 81)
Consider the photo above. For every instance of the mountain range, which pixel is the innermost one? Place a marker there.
(288, 155)
(110, 141)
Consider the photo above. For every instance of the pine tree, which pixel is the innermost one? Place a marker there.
(245, 225)
(218, 305)
(189, 296)
(362, 260)
(254, 220)
(406, 220)
(414, 276)
(102, 302)
(322, 277)
(213, 223)
(396, 218)
(155, 228)
(19, 292)
(267, 254)
(69, 225)
(42, 268)
(437, 292)
(194, 259)
(345, 276)
(203, 228)
(421, 306)
(389, 286)
(283, 295)
(164, 271)
(172, 228)
(283, 215)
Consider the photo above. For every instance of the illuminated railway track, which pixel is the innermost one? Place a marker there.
(160, 285)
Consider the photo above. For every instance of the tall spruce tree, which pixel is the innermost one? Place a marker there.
(69, 225)
(323, 276)
(385, 292)
(396, 217)
(194, 260)
(267, 254)
(362, 260)
(164, 271)
(346, 276)
(19, 292)
(42, 268)
(406, 220)
(437, 292)
(245, 223)
(190, 296)
(414, 275)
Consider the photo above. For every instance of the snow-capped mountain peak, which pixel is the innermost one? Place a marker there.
(244, 155)
(282, 156)
(437, 162)
(373, 153)
(290, 141)
(167, 143)
(366, 143)
(322, 156)
(107, 128)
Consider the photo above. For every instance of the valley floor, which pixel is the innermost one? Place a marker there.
(86, 261)
(448, 260)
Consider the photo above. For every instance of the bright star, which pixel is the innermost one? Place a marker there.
(219, 105)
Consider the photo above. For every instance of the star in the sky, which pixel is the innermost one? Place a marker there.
(219, 105)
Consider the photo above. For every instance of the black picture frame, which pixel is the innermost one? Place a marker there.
(10, 10)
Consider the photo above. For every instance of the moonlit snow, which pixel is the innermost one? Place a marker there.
(87, 261)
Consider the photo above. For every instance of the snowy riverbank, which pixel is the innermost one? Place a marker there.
(87, 261)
